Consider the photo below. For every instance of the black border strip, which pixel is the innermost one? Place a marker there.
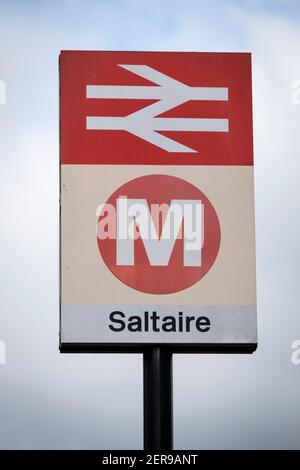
(191, 348)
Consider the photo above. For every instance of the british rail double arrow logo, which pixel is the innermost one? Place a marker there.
(144, 123)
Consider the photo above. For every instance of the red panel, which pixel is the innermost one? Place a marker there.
(82, 146)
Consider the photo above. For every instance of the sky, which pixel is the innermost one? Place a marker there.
(54, 401)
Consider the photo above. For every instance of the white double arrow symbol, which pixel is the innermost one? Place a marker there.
(144, 123)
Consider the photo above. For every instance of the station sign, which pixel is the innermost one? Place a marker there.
(157, 201)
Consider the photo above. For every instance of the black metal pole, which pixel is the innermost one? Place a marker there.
(158, 399)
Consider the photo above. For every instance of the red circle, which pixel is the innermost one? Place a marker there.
(162, 189)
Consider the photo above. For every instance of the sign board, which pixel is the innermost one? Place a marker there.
(157, 204)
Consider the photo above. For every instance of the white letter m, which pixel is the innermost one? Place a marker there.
(159, 249)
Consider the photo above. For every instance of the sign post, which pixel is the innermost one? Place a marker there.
(158, 398)
(157, 211)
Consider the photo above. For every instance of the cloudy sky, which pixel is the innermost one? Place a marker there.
(49, 400)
